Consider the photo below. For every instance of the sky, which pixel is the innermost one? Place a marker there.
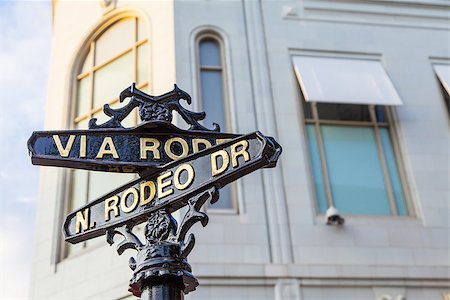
(25, 49)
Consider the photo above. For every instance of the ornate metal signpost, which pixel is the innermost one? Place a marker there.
(176, 168)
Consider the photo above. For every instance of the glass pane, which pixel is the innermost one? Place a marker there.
(393, 172)
(343, 112)
(225, 200)
(380, 113)
(79, 188)
(83, 100)
(345, 80)
(307, 110)
(114, 40)
(212, 99)
(210, 53)
(142, 63)
(354, 168)
(316, 167)
(113, 79)
(142, 30)
(84, 124)
(87, 65)
(101, 183)
(77, 199)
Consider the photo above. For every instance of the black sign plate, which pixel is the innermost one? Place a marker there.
(172, 186)
(149, 145)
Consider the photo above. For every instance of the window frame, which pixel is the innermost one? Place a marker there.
(91, 47)
(317, 123)
(210, 34)
(389, 124)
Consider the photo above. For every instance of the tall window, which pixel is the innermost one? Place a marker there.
(352, 158)
(213, 95)
(352, 152)
(117, 56)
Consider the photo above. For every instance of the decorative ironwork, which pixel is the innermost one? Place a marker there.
(165, 250)
(160, 153)
(153, 108)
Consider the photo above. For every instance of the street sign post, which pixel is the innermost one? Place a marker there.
(176, 168)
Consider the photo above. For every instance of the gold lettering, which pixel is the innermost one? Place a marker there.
(162, 185)
(197, 142)
(82, 146)
(151, 186)
(190, 176)
(153, 148)
(64, 152)
(107, 142)
(82, 220)
(111, 204)
(123, 203)
(225, 162)
(243, 152)
(168, 149)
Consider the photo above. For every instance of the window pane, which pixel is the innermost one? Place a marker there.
(307, 111)
(83, 100)
(343, 112)
(78, 199)
(143, 64)
(355, 172)
(79, 188)
(116, 39)
(83, 124)
(393, 172)
(112, 79)
(319, 185)
(225, 200)
(380, 113)
(210, 53)
(212, 99)
(101, 183)
(87, 65)
(142, 30)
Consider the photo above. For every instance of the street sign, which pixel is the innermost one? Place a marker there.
(171, 186)
(133, 150)
(176, 168)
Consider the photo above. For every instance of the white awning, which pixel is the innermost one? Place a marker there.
(443, 73)
(344, 80)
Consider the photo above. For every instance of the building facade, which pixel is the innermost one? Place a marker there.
(357, 94)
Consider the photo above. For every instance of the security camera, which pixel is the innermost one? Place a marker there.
(333, 217)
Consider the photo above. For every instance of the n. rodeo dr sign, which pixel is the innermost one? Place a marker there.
(171, 186)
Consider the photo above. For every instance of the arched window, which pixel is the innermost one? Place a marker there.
(213, 97)
(117, 55)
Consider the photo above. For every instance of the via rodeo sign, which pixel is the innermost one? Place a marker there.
(176, 168)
